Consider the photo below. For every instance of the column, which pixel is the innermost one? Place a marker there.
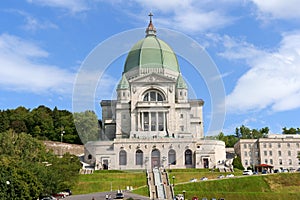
(142, 125)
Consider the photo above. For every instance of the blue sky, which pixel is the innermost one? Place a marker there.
(254, 43)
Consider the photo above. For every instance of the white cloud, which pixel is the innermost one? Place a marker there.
(21, 70)
(73, 6)
(287, 9)
(273, 79)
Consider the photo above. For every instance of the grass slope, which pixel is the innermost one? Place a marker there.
(276, 186)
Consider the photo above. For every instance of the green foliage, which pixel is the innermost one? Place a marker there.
(247, 133)
(41, 122)
(87, 125)
(237, 163)
(229, 140)
(290, 130)
(27, 169)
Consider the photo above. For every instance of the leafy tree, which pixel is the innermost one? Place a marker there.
(229, 140)
(247, 133)
(237, 163)
(87, 126)
(290, 130)
(27, 169)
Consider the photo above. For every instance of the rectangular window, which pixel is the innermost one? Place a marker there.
(181, 128)
(289, 153)
(279, 153)
(181, 116)
(265, 153)
(266, 161)
(270, 153)
(270, 145)
(245, 146)
(245, 153)
(265, 145)
(246, 162)
(153, 121)
(297, 145)
(290, 162)
(271, 161)
(146, 121)
(161, 121)
(288, 145)
(280, 161)
(279, 145)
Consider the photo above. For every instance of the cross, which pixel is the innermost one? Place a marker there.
(150, 15)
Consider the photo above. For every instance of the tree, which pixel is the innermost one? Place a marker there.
(27, 169)
(87, 126)
(237, 163)
(290, 130)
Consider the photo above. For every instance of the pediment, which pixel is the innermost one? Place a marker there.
(153, 78)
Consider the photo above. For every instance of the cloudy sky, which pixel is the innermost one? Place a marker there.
(255, 45)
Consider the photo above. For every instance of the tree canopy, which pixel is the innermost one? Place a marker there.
(28, 170)
(46, 124)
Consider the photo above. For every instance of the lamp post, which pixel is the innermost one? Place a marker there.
(173, 177)
(61, 140)
(183, 194)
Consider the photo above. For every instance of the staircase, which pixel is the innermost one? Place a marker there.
(159, 185)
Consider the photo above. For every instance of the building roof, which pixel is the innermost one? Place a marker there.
(180, 84)
(151, 52)
(123, 84)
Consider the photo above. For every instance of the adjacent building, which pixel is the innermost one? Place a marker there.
(277, 151)
(153, 123)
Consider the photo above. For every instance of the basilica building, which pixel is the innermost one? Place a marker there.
(153, 123)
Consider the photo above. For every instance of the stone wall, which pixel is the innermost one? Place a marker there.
(59, 148)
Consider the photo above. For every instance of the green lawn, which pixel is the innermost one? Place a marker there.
(276, 186)
(107, 180)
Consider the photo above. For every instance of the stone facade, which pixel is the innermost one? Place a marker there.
(279, 151)
(153, 123)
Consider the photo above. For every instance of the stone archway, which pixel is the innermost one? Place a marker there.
(155, 158)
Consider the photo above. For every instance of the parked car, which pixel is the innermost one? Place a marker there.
(285, 170)
(264, 172)
(195, 198)
(60, 195)
(193, 180)
(119, 195)
(221, 176)
(247, 172)
(204, 179)
(229, 175)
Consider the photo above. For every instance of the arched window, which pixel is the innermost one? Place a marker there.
(139, 157)
(172, 157)
(188, 157)
(122, 158)
(153, 95)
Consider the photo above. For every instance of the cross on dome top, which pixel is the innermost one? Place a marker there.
(150, 30)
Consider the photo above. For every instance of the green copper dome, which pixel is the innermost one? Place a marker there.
(151, 52)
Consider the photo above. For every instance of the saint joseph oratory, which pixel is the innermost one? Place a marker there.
(153, 123)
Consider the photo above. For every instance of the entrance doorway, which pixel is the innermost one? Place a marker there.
(105, 164)
(205, 162)
(155, 158)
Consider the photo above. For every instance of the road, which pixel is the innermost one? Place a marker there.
(101, 196)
